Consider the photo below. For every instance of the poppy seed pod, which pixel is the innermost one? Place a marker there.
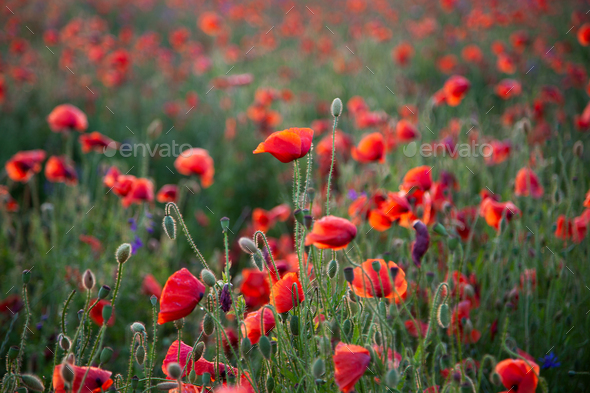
(123, 253)
(88, 280)
(265, 347)
(26, 276)
(376, 265)
(103, 292)
(106, 354)
(299, 215)
(154, 300)
(318, 368)
(208, 277)
(169, 226)
(247, 245)
(336, 107)
(174, 370)
(32, 382)
(224, 224)
(349, 274)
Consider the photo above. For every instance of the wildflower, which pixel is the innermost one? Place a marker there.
(406, 131)
(549, 361)
(67, 117)
(350, 363)
(368, 283)
(96, 312)
(24, 164)
(287, 145)
(252, 324)
(403, 53)
(196, 161)
(255, 288)
(416, 329)
(371, 148)
(150, 286)
(97, 379)
(282, 295)
(455, 89)
(210, 23)
(527, 184)
(498, 152)
(264, 220)
(494, 211)
(181, 294)
(60, 170)
(419, 178)
(517, 375)
(331, 232)
(168, 193)
(97, 142)
(508, 88)
(420, 245)
(141, 190)
(584, 34)
(172, 357)
(225, 300)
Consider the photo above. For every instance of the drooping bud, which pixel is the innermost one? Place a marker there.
(67, 373)
(155, 129)
(270, 384)
(347, 327)
(13, 352)
(134, 382)
(106, 354)
(332, 268)
(496, 379)
(440, 229)
(392, 378)
(26, 276)
(123, 253)
(225, 300)
(258, 260)
(319, 368)
(294, 325)
(208, 324)
(137, 327)
(104, 291)
(165, 386)
(32, 382)
(140, 355)
(453, 242)
(192, 377)
(174, 370)
(198, 350)
(443, 316)
(349, 274)
(578, 149)
(265, 347)
(247, 245)
(206, 379)
(307, 221)
(88, 280)
(169, 226)
(64, 342)
(208, 277)
(336, 107)
(80, 314)
(224, 224)
(245, 346)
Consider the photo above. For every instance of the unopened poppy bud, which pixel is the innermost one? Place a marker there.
(208, 277)
(225, 300)
(140, 355)
(64, 342)
(32, 382)
(443, 316)
(452, 243)
(496, 379)
(169, 226)
(26, 276)
(104, 291)
(440, 229)
(106, 354)
(208, 324)
(192, 377)
(107, 310)
(336, 107)
(258, 260)
(247, 245)
(137, 327)
(224, 224)
(294, 325)
(392, 378)
(155, 129)
(270, 384)
(377, 338)
(198, 350)
(376, 265)
(153, 300)
(165, 386)
(349, 274)
(13, 352)
(70, 359)
(88, 280)
(319, 368)
(206, 379)
(264, 347)
(310, 193)
(245, 346)
(307, 221)
(123, 253)
(347, 327)
(332, 268)
(80, 314)
(67, 373)
(382, 307)
(134, 382)
(174, 370)
(578, 149)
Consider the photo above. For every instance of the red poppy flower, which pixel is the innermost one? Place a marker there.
(196, 161)
(67, 117)
(527, 183)
(371, 148)
(331, 232)
(368, 283)
(403, 53)
(97, 379)
(264, 220)
(24, 164)
(142, 190)
(508, 88)
(282, 296)
(186, 388)
(255, 288)
(393, 358)
(151, 286)
(587, 200)
(357, 105)
(494, 211)
(461, 314)
(168, 193)
(419, 178)
(210, 23)
(517, 375)
(406, 131)
(11, 305)
(506, 64)
(572, 229)
(172, 357)
(110, 178)
(93, 242)
(497, 152)
(455, 89)
(350, 363)
(472, 54)
(584, 34)
(97, 142)
(287, 145)
(417, 329)
(181, 294)
(388, 211)
(96, 312)
(252, 324)
(59, 170)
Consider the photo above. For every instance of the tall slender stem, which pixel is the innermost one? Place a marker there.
(331, 166)
(172, 205)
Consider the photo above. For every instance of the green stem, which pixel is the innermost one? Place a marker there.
(23, 338)
(172, 205)
(331, 166)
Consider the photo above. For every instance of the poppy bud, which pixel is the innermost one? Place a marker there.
(496, 379)
(382, 309)
(155, 129)
(174, 370)
(347, 327)
(137, 327)
(294, 325)
(64, 342)
(104, 291)
(198, 351)
(578, 149)
(106, 354)
(123, 253)
(265, 347)
(206, 379)
(452, 243)
(32, 382)
(349, 274)
(224, 224)
(258, 260)
(169, 226)
(26, 276)
(225, 300)
(376, 265)
(336, 107)
(88, 280)
(165, 386)
(246, 346)
(67, 373)
(247, 245)
(107, 310)
(134, 382)
(525, 124)
(392, 378)
(70, 359)
(208, 277)
(377, 338)
(270, 384)
(299, 215)
(456, 376)
(80, 314)
(192, 377)
(443, 316)
(310, 193)
(319, 368)
(421, 244)
(13, 352)
(440, 229)
(154, 300)
(393, 272)
(332, 268)
(140, 355)
(325, 346)
(208, 324)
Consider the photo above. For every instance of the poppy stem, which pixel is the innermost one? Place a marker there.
(23, 338)
(94, 353)
(331, 166)
(260, 233)
(172, 206)
(153, 349)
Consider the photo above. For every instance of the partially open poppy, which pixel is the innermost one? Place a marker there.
(97, 379)
(96, 312)
(350, 363)
(168, 193)
(142, 190)
(255, 288)
(24, 164)
(287, 145)
(419, 178)
(370, 149)
(368, 283)
(67, 117)
(455, 89)
(181, 294)
(494, 211)
(252, 327)
(59, 170)
(264, 220)
(97, 142)
(584, 34)
(508, 88)
(196, 161)
(518, 376)
(527, 184)
(172, 357)
(331, 232)
(151, 287)
(406, 131)
(284, 296)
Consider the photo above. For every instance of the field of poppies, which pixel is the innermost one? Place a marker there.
(265, 196)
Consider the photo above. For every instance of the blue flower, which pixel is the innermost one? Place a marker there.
(549, 361)
(132, 224)
(136, 244)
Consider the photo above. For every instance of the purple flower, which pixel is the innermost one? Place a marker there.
(225, 298)
(132, 224)
(549, 361)
(136, 244)
(420, 245)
